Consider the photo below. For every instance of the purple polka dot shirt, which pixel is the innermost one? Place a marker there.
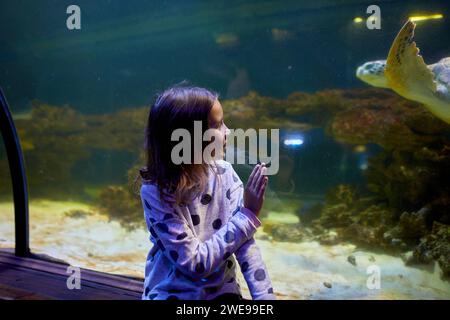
(197, 247)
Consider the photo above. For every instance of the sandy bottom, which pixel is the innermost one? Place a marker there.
(306, 270)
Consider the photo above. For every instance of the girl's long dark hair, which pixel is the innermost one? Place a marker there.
(175, 108)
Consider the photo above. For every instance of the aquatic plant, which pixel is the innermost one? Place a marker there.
(407, 188)
(434, 246)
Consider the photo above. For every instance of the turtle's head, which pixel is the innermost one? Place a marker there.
(372, 72)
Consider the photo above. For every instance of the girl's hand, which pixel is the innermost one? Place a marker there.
(255, 189)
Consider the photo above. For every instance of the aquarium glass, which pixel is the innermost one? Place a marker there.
(360, 205)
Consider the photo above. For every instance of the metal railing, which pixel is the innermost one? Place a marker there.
(18, 177)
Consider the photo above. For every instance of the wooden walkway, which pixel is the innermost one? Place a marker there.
(36, 279)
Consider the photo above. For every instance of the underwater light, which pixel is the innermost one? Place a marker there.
(426, 17)
(358, 20)
(293, 142)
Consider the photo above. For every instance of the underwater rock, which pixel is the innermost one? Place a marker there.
(362, 235)
(373, 126)
(409, 178)
(328, 108)
(407, 257)
(270, 113)
(77, 214)
(435, 246)
(377, 222)
(351, 259)
(405, 182)
(329, 238)
(58, 138)
(387, 120)
(285, 232)
(354, 218)
(55, 134)
(398, 243)
(338, 209)
(348, 216)
(413, 225)
(120, 204)
(119, 131)
(336, 216)
(342, 194)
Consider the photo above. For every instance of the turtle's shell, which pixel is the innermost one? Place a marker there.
(441, 71)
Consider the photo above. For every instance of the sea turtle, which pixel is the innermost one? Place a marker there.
(406, 73)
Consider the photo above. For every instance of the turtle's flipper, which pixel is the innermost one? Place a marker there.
(406, 72)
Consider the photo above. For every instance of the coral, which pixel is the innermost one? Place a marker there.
(328, 238)
(284, 232)
(300, 110)
(389, 121)
(408, 180)
(434, 246)
(364, 221)
(412, 225)
(336, 216)
(121, 205)
(342, 194)
(120, 131)
(55, 139)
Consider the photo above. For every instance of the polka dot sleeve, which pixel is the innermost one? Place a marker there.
(177, 241)
(250, 259)
(255, 271)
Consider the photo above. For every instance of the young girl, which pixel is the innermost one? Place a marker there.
(200, 217)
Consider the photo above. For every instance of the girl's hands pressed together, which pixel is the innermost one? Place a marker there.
(255, 189)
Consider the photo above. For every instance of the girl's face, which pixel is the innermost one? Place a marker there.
(215, 119)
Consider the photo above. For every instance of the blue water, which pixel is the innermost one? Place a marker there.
(127, 51)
